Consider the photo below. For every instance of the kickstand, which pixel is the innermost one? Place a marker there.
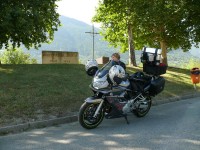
(126, 119)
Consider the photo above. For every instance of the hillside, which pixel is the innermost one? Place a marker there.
(178, 58)
(71, 36)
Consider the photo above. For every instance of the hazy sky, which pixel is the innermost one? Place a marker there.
(82, 10)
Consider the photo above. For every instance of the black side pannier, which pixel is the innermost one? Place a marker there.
(138, 81)
(157, 86)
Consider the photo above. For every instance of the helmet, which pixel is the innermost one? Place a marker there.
(91, 67)
(116, 74)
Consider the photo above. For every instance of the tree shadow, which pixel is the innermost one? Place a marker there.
(110, 135)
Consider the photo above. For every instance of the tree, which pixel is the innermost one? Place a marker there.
(192, 15)
(16, 56)
(159, 23)
(162, 24)
(28, 22)
(117, 24)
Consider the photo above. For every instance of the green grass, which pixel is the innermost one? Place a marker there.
(28, 91)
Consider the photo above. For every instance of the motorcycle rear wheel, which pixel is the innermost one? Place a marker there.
(142, 112)
(86, 118)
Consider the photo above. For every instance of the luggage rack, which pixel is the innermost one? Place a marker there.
(152, 61)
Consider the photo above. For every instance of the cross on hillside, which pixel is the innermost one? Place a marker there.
(93, 33)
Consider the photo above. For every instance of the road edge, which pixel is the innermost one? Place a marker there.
(73, 118)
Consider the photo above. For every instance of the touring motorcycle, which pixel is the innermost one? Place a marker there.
(128, 94)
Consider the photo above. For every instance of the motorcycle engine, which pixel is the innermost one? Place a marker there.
(137, 103)
(128, 107)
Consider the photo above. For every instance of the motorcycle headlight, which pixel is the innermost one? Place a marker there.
(100, 84)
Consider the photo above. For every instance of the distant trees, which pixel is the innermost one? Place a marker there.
(28, 22)
(164, 24)
(191, 63)
(16, 56)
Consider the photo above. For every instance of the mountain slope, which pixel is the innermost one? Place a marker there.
(71, 36)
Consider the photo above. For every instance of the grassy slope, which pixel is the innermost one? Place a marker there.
(29, 91)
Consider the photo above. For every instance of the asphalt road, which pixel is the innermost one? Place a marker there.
(172, 126)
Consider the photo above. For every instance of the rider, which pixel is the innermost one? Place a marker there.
(116, 57)
(112, 74)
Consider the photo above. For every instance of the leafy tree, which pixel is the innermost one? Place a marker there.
(28, 22)
(16, 56)
(192, 15)
(162, 24)
(157, 23)
(118, 25)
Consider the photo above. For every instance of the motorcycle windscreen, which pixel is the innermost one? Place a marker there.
(105, 69)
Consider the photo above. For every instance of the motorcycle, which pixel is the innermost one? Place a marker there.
(128, 94)
(133, 95)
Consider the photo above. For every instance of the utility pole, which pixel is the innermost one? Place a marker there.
(93, 33)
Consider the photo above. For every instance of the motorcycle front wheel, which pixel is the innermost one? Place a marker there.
(86, 114)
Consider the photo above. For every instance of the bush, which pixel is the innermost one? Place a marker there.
(16, 56)
(193, 63)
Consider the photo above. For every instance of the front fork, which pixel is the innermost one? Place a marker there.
(95, 101)
(98, 108)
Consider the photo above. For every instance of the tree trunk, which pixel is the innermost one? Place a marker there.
(132, 60)
(164, 51)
